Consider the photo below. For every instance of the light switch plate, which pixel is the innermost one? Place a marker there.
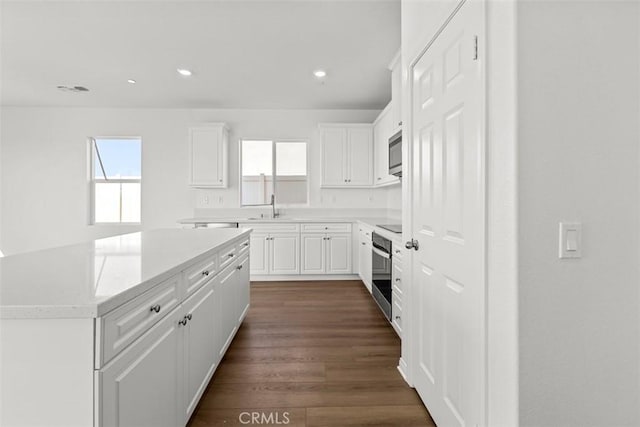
(570, 240)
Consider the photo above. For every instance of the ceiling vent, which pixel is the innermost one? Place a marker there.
(73, 89)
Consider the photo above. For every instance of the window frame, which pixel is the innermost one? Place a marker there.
(93, 180)
(274, 141)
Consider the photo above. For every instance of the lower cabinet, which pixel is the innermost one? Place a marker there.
(143, 385)
(159, 379)
(275, 253)
(326, 253)
(365, 267)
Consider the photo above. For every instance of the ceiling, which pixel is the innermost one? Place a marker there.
(244, 54)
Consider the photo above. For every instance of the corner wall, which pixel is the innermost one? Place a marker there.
(578, 110)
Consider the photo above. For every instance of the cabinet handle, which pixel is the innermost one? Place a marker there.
(205, 273)
(155, 308)
(230, 255)
(220, 180)
(397, 317)
(379, 178)
(188, 316)
(326, 228)
(183, 322)
(398, 251)
(397, 279)
(364, 244)
(245, 245)
(400, 123)
(239, 267)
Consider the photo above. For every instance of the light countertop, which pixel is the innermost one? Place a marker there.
(89, 279)
(285, 219)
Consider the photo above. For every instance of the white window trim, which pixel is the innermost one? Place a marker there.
(273, 141)
(93, 180)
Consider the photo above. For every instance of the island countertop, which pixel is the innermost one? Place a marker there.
(89, 279)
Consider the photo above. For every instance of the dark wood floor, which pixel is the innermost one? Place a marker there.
(315, 354)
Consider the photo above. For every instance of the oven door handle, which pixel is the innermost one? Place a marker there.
(380, 253)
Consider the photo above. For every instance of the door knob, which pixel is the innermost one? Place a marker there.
(412, 244)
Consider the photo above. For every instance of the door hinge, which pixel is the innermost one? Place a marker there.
(475, 48)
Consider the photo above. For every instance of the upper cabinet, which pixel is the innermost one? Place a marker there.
(347, 155)
(396, 94)
(208, 156)
(382, 130)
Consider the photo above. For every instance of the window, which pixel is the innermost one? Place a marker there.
(260, 158)
(116, 174)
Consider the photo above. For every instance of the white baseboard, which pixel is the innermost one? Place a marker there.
(402, 368)
(303, 277)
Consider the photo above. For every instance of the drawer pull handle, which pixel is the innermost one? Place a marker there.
(397, 317)
(230, 255)
(245, 245)
(205, 273)
(363, 243)
(188, 316)
(155, 308)
(397, 279)
(239, 267)
(183, 322)
(398, 251)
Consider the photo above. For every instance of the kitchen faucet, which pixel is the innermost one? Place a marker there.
(274, 214)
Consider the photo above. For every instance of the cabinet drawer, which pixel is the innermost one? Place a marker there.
(268, 227)
(227, 255)
(198, 274)
(125, 324)
(396, 313)
(243, 246)
(397, 252)
(327, 227)
(396, 277)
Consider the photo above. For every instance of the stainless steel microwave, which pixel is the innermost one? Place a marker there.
(395, 154)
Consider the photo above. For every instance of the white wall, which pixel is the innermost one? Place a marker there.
(578, 72)
(44, 166)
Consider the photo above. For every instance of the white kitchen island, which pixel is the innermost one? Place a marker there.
(122, 331)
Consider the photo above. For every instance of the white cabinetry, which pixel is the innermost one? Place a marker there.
(275, 248)
(381, 134)
(326, 253)
(365, 255)
(397, 290)
(347, 155)
(208, 156)
(396, 94)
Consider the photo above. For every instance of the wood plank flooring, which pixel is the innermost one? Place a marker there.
(311, 354)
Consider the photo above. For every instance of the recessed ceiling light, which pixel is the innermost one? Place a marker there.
(184, 72)
(131, 81)
(320, 73)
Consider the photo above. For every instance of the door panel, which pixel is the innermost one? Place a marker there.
(201, 341)
(334, 152)
(259, 253)
(284, 252)
(205, 156)
(338, 247)
(313, 257)
(448, 221)
(360, 145)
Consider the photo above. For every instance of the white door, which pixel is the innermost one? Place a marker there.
(448, 214)
(201, 341)
(259, 253)
(338, 247)
(360, 156)
(244, 289)
(284, 251)
(142, 385)
(334, 152)
(313, 256)
(227, 306)
(206, 161)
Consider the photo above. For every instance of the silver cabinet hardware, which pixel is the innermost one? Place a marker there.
(188, 316)
(231, 255)
(398, 251)
(364, 244)
(245, 245)
(400, 123)
(205, 273)
(155, 308)
(397, 279)
(397, 317)
(379, 178)
(183, 322)
(239, 267)
(412, 244)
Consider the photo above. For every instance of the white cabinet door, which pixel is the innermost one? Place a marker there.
(381, 133)
(334, 156)
(208, 156)
(338, 249)
(360, 156)
(201, 344)
(243, 290)
(142, 385)
(259, 253)
(284, 253)
(227, 306)
(396, 96)
(364, 253)
(313, 255)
